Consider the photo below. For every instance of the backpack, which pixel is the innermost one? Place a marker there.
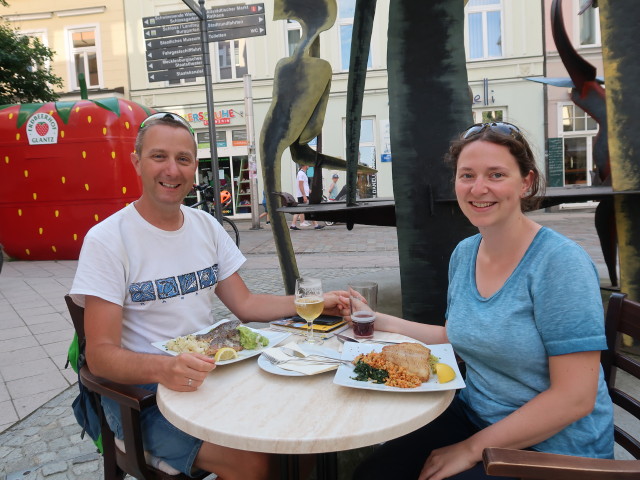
(85, 406)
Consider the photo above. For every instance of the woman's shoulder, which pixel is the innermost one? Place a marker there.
(551, 249)
(555, 243)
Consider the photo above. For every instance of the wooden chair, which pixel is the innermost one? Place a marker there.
(623, 317)
(130, 459)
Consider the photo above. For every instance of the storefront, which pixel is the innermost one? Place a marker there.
(232, 147)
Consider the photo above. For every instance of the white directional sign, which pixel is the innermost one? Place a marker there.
(173, 42)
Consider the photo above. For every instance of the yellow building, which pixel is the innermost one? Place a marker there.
(87, 37)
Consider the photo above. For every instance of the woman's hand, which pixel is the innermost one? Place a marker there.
(336, 303)
(448, 461)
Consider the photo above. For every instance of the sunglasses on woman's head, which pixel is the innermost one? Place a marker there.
(170, 115)
(502, 128)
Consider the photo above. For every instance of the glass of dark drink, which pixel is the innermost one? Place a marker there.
(363, 297)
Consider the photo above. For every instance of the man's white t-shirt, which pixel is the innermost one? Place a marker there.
(302, 177)
(165, 281)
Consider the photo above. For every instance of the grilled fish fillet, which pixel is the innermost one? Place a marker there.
(412, 356)
(225, 335)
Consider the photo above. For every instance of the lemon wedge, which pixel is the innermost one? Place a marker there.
(445, 373)
(225, 353)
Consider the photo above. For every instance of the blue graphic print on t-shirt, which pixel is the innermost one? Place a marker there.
(169, 287)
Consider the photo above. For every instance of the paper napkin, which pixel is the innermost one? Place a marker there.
(299, 365)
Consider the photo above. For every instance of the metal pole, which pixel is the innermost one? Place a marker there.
(251, 137)
(213, 146)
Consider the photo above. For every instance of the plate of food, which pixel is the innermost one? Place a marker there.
(403, 367)
(228, 341)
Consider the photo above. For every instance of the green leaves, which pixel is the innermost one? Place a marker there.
(25, 76)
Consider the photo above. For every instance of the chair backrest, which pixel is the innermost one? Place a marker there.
(623, 319)
(77, 317)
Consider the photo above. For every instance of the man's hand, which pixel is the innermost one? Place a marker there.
(337, 303)
(187, 371)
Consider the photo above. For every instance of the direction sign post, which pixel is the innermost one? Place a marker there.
(206, 60)
(177, 47)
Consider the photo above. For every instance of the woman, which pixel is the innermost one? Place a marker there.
(525, 314)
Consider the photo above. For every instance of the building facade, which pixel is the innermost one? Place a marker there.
(569, 129)
(87, 37)
(110, 42)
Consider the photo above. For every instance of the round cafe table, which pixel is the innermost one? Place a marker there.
(241, 406)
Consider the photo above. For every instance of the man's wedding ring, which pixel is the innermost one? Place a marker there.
(188, 382)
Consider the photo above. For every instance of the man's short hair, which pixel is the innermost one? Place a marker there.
(168, 120)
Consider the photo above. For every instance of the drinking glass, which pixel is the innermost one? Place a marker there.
(309, 304)
(363, 297)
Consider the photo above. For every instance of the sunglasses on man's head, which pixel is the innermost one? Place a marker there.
(503, 128)
(170, 115)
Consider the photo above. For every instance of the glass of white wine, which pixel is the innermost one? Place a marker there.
(309, 304)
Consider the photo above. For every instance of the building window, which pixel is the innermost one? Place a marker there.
(484, 29)
(40, 35)
(486, 116)
(346, 11)
(294, 34)
(367, 185)
(577, 131)
(85, 57)
(589, 25)
(232, 59)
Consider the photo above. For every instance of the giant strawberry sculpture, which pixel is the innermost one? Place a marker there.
(64, 167)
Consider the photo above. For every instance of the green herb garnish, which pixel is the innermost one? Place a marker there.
(365, 373)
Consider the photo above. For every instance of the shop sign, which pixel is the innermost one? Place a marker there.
(42, 129)
(221, 117)
(487, 97)
(385, 128)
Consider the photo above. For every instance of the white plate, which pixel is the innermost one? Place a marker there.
(443, 351)
(273, 336)
(267, 366)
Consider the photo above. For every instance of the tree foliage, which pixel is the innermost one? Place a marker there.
(25, 76)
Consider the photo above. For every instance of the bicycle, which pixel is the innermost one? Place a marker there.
(207, 204)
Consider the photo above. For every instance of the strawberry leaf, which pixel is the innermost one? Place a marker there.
(64, 110)
(112, 104)
(26, 110)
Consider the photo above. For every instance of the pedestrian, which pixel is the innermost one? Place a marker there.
(264, 204)
(524, 313)
(333, 189)
(151, 272)
(302, 194)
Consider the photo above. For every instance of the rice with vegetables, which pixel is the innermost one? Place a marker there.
(187, 344)
(397, 376)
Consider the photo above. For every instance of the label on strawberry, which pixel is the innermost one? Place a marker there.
(42, 129)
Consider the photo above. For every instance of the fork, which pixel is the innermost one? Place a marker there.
(276, 361)
(326, 359)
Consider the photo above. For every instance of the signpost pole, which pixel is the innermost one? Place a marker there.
(206, 59)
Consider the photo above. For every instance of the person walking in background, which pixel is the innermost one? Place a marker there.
(333, 189)
(264, 204)
(302, 194)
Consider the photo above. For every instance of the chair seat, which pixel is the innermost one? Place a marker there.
(155, 462)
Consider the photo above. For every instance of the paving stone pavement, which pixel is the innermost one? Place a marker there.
(41, 440)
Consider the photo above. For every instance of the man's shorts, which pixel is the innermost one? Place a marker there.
(159, 437)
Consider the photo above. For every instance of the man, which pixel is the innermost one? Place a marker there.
(302, 194)
(150, 272)
(333, 189)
